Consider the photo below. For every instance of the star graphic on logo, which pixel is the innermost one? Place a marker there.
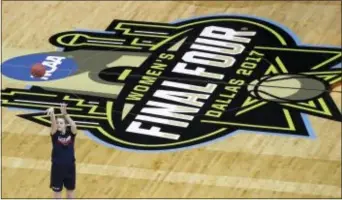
(285, 116)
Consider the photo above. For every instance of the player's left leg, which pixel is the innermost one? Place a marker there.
(70, 182)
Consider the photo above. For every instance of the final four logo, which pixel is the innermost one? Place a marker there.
(154, 86)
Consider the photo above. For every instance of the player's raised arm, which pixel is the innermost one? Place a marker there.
(51, 113)
(68, 118)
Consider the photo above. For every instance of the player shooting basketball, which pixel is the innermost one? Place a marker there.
(63, 170)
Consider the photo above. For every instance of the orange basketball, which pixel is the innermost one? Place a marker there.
(38, 70)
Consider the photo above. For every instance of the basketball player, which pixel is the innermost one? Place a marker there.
(63, 171)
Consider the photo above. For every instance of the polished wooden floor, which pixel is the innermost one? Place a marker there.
(245, 166)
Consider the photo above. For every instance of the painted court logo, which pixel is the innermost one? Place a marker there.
(154, 86)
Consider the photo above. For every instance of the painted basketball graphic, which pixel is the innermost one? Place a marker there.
(286, 88)
(38, 70)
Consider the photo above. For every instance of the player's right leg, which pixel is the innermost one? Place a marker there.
(70, 181)
(57, 195)
(56, 180)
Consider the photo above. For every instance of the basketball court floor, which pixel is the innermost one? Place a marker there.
(248, 164)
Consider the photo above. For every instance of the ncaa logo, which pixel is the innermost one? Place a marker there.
(57, 67)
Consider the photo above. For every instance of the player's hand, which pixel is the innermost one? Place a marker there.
(63, 109)
(50, 111)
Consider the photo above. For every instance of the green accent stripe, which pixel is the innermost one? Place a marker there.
(124, 74)
(109, 109)
(296, 50)
(327, 61)
(28, 93)
(168, 39)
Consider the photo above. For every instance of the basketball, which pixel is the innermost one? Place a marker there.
(286, 88)
(38, 70)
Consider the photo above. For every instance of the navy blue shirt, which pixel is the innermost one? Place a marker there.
(63, 151)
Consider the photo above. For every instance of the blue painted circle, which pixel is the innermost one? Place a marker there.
(56, 68)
